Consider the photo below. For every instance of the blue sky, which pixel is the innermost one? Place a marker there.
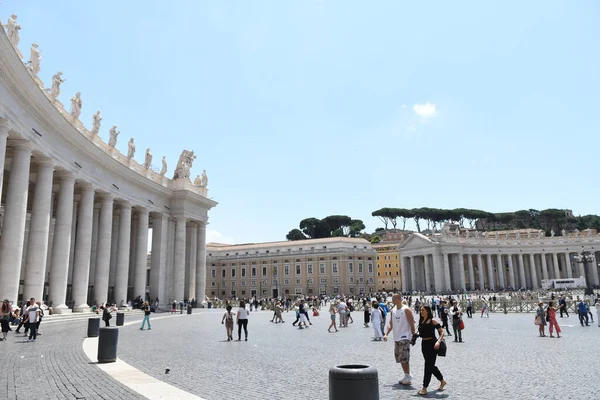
(310, 108)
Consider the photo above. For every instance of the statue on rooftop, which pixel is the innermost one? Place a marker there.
(56, 82)
(35, 58)
(12, 30)
(552, 233)
(97, 120)
(186, 159)
(76, 105)
(163, 170)
(148, 159)
(197, 181)
(563, 232)
(204, 179)
(114, 133)
(131, 149)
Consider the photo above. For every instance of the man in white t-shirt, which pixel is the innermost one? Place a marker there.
(341, 307)
(33, 315)
(402, 322)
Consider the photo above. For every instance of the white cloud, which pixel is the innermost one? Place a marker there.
(215, 236)
(425, 111)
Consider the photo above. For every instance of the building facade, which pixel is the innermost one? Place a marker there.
(311, 267)
(76, 213)
(459, 260)
(389, 275)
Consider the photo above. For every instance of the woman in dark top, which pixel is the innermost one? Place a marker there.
(429, 347)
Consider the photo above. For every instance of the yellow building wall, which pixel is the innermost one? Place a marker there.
(389, 271)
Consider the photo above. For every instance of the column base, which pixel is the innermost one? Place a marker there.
(61, 309)
(84, 308)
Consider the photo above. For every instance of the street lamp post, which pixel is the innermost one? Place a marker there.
(584, 258)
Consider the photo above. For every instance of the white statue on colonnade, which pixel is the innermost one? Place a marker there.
(186, 159)
(12, 30)
(130, 149)
(148, 159)
(204, 179)
(114, 133)
(97, 121)
(35, 58)
(163, 170)
(76, 105)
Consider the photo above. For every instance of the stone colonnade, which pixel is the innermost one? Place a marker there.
(478, 270)
(59, 231)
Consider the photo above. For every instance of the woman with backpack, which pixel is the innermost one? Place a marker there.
(228, 321)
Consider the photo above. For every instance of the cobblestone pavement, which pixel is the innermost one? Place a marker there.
(501, 357)
(54, 367)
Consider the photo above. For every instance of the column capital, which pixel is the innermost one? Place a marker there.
(65, 176)
(142, 210)
(85, 186)
(124, 204)
(4, 126)
(20, 144)
(43, 161)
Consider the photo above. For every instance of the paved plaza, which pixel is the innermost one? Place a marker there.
(502, 357)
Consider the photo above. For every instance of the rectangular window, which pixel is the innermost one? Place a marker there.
(350, 268)
(336, 280)
(286, 270)
(213, 273)
(286, 282)
(274, 271)
(243, 272)
(311, 281)
(322, 269)
(370, 280)
(370, 268)
(351, 279)
(253, 283)
(298, 291)
(334, 268)
(223, 272)
(253, 271)
(264, 271)
(233, 272)
(298, 282)
(243, 283)
(298, 272)
(264, 283)
(360, 268)
(309, 269)
(361, 279)
(323, 281)
(212, 284)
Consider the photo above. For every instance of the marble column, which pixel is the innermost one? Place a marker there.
(133, 251)
(544, 266)
(83, 248)
(141, 258)
(568, 265)
(39, 231)
(522, 279)
(3, 139)
(500, 269)
(511, 272)
(179, 262)
(413, 274)
(447, 280)
(193, 244)
(104, 249)
(534, 278)
(160, 226)
(404, 270)
(114, 246)
(481, 270)
(61, 245)
(594, 273)
(170, 261)
(438, 272)
(15, 215)
(471, 271)
(428, 277)
(201, 263)
(461, 272)
(490, 270)
(556, 268)
(94, 255)
(73, 239)
(122, 265)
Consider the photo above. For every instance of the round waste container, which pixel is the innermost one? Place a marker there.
(93, 327)
(120, 318)
(353, 382)
(189, 309)
(107, 344)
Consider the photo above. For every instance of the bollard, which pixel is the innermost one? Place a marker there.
(120, 318)
(189, 309)
(93, 327)
(353, 382)
(107, 344)
(505, 311)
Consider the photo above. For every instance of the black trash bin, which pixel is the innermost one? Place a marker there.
(120, 318)
(189, 309)
(107, 344)
(209, 304)
(353, 382)
(93, 327)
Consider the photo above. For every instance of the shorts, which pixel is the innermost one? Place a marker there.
(402, 351)
(333, 317)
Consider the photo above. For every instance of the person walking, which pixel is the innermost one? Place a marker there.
(598, 310)
(562, 305)
(228, 321)
(484, 308)
(444, 317)
(551, 319)
(366, 312)
(540, 319)
(402, 322)
(470, 308)
(429, 347)
(376, 317)
(456, 313)
(147, 311)
(33, 314)
(106, 315)
(332, 312)
(242, 320)
(582, 310)
(5, 314)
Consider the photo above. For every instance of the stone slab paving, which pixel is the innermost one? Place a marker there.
(502, 357)
(54, 367)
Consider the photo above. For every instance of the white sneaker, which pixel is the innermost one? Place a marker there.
(407, 380)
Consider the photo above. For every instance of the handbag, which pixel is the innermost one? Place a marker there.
(461, 325)
(443, 348)
(538, 320)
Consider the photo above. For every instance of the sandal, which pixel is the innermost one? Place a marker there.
(442, 384)
(422, 392)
